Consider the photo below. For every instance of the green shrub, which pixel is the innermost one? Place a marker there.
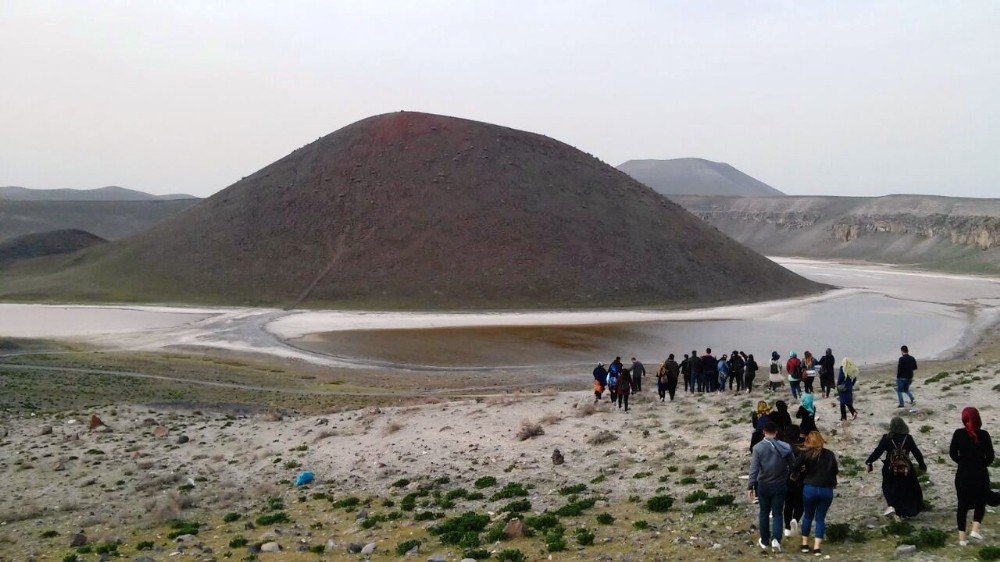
(510, 555)
(273, 519)
(462, 530)
(238, 542)
(110, 548)
(144, 545)
(554, 540)
(477, 554)
(485, 482)
(181, 527)
(605, 518)
(659, 504)
(543, 522)
(511, 490)
(926, 428)
(720, 501)
(71, 557)
(704, 508)
(598, 479)
(406, 546)
(838, 532)
(926, 537)
(640, 525)
(516, 506)
(347, 503)
(898, 528)
(49, 534)
(689, 480)
(989, 553)
(495, 533)
(401, 483)
(584, 537)
(409, 501)
(274, 504)
(574, 489)
(427, 516)
(317, 549)
(575, 508)
(698, 496)
(230, 517)
(455, 494)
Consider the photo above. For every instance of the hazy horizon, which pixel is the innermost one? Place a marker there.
(835, 99)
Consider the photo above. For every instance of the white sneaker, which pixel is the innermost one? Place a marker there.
(775, 545)
(788, 533)
(976, 536)
(890, 511)
(963, 543)
(795, 526)
(760, 543)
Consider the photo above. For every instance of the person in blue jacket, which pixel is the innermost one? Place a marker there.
(723, 369)
(845, 395)
(600, 381)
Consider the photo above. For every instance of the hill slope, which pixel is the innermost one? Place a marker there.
(948, 233)
(409, 210)
(110, 193)
(42, 244)
(695, 176)
(107, 219)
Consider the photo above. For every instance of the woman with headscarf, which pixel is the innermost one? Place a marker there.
(818, 467)
(759, 412)
(807, 413)
(845, 388)
(749, 372)
(774, 378)
(900, 485)
(794, 369)
(972, 449)
(780, 415)
(808, 371)
(827, 368)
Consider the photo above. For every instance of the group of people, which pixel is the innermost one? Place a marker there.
(620, 381)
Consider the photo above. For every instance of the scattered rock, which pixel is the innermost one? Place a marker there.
(437, 558)
(46, 430)
(369, 549)
(102, 429)
(143, 559)
(78, 539)
(362, 513)
(59, 466)
(160, 432)
(514, 529)
(95, 422)
(330, 545)
(557, 457)
(905, 550)
(185, 538)
(270, 547)
(354, 547)
(182, 439)
(322, 421)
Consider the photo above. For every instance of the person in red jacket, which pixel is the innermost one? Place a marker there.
(794, 369)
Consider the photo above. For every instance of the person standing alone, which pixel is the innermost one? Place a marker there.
(638, 373)
(904, 376)
(770, 465)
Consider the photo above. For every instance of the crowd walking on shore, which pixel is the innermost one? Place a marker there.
(793, 475)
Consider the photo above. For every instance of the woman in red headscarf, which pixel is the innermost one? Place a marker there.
(972, 449)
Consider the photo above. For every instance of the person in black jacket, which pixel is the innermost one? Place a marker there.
(900, 485)
(793, 508)
(827, 364)
(696, 378)
(972, 449)
(904, 375)
(750, 372)
(672, 372)
(686, 373)
(818, 468)
(709, 371)
(780, 415)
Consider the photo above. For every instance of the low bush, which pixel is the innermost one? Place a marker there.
(659, 504)
(689, 480)
(989, 553)
(574, 489)
(512, 490)
(485, 482)
(406, 546)
(516, 506)
(144, 545)
(462, 530)
(584, 537)
(605, 518)
(898, 528)
(542, 522)
(640, 525)
(273, 518)
(529, 429)
(401, 483)
(698, 496)
(238, 542)
(510, 555)
(555, 541)
(926, 537)
(423, 516)
(230, 517)
(576, 508)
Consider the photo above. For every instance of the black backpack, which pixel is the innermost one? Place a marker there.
(774, 368)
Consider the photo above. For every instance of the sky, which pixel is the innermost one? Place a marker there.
(820, 97)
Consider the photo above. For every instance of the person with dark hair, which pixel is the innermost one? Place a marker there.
(686, 373)
(750, 372)
(792, 512)
(900, 484)
(972, 450)
(672, 372)
(808, 371)
(769, 467)
(780, 415)
(709, 371)
(624, 388)
(807, 413)
(904, 375)
(774, 378)
(638, 372)
(696, 376)
(818, 468)
(736, 367)
(794, 369)
(723, 369)
(600, 381)
(827, 364)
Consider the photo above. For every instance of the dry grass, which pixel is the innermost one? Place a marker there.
(529, 429)
(601, 437)
(272, 416)
(392, 427)
(549, 391)
(551, 418)
(24, 511)
(325, 434)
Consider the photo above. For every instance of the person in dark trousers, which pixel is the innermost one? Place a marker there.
(818, 467)
(780, 415)
(686, 373)
(696, 378)
(972, 450)
(769, 468)
(614, 379)
(827, 364)
(709, 371)
(845, 394)
(794, 369)
(600, 381)
(624, 389)
(661, 381)
(736, 370)
(638, 373)
(808, 371)
(775, 379)
(750, 373)
(792, 512)
(900, 482)
(672, 371)
(807, 413)
(904, 375)
(722, 367)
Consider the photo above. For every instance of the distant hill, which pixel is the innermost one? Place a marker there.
(110, 193)
(695, 176)
(42, 244)
(946, 233)
(410, 210)
(107, 219)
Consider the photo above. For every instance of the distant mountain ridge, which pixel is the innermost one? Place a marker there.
(696, 176)
(109, 193)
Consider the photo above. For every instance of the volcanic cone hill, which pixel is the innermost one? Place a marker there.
(46, 244)
(696, 176)
(410, 210)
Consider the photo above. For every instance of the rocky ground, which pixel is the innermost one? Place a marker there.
(153, 482)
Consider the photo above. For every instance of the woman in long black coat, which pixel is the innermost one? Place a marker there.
(972, 449)
(902, 492)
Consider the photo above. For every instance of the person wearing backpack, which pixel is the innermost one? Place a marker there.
(972, 450)
(794, 369)
(686, 373)
(819, 477)
(671, 371)
(770, 464)
(709, 371)
(613, 377)
(775, 378)
(600, 381)
(845, 392)
(900, 485)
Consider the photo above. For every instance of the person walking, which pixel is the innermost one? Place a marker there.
(845, 391)
(723, 369)
(827, 366)
(792, 513)
(972, 450)
(775, 379)
(696, 377)
(750, 373)
(624, 389)
(760, 412)
(808, 371)
(769, 468)
(736, 369)
(807, 413)
(672, 371)
(709, 370)
(904, 376)
(794, 369)
(614, 377)
(780, 415)
(818, 467)
(600, 381)
(638, 373)
(900, 484)
(686, 373)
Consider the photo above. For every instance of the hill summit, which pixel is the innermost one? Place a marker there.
(696, 176)
(411, 210)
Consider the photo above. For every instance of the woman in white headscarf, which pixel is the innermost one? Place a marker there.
(846, 379)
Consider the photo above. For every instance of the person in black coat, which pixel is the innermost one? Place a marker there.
(751, 372)
(902, 492)
(827, 363)
(972, 449)
(780, 415)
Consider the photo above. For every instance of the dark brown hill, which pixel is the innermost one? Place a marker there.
(42, 244)
(410, 210)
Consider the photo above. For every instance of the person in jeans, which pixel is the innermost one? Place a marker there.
(845, 392)
(794, 369)
(904, 375)
(819, 475)
(769, 468)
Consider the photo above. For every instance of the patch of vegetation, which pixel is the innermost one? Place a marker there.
(640, 475)
(510, 555)
(455, 494)
(462, 530)
(110, 548)
(555, 540)
(409, 501)
(181, 527)
(230, 517)
(640, 525)
(485, 482)
(49, 534)
(926, 537)
(843, 532)
(348, 503)
(238, 542)
(989, 553)
(598, 479)
(605, 518)
(406, 546)
(898, 528)
(584, 537)
(659, 504)
(926, 428)
(937, 377)
(542, 522)
(144, 545)
(688, 480)
(273, 519)
(511, 490)
(516, 506)
(575, 508)
(401, 483)
(698, 496)
(422, 516)
(574, 489)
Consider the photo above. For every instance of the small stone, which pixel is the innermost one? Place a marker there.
(302, 547)
(160, 432)
(362, 513)
(354, 547)
(437, 558)
(78, 539)
(514, 529)
(905, 550)
(468, 560)
(330, 545)
(270, 547)
(557, 457)
(46, 430)
(369, 549)
(143, 559)
(185, 538)
(182, 439)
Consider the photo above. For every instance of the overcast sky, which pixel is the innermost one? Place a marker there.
(845, 98)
